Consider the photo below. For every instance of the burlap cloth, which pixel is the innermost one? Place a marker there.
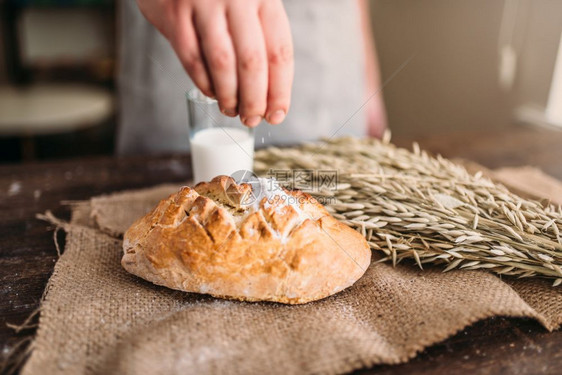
(98, 319)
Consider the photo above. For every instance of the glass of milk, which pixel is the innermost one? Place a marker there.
(220, 145)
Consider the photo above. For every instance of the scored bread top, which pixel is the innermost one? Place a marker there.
(217, 238)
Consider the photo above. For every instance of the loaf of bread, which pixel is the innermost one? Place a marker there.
(283, 247)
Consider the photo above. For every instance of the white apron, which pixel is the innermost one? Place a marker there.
(328, 86)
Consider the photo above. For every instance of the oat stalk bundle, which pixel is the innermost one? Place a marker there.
(412, 205)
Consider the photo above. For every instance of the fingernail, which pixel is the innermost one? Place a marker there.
(229, 112)
(277, 117)
(252, 121)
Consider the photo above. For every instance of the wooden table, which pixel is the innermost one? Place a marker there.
(27, 252)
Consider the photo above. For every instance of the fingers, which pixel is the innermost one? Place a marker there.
(218, 52)
(279, 47)
(249, 44)
(242, 56)
(186, 45)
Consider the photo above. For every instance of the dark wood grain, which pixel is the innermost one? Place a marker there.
(27, 251)
(515, 146)
(28, 255)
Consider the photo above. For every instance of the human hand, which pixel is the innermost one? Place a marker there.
(239, 52)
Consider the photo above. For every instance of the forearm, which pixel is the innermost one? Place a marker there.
(374, 107)
(371, 61)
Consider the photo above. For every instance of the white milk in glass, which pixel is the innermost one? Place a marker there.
(217, 151)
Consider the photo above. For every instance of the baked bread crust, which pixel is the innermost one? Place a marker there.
(204, 240)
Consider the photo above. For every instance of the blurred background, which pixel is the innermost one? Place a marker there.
(477, 64)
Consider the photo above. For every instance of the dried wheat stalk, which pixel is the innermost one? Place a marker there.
(411, 205)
